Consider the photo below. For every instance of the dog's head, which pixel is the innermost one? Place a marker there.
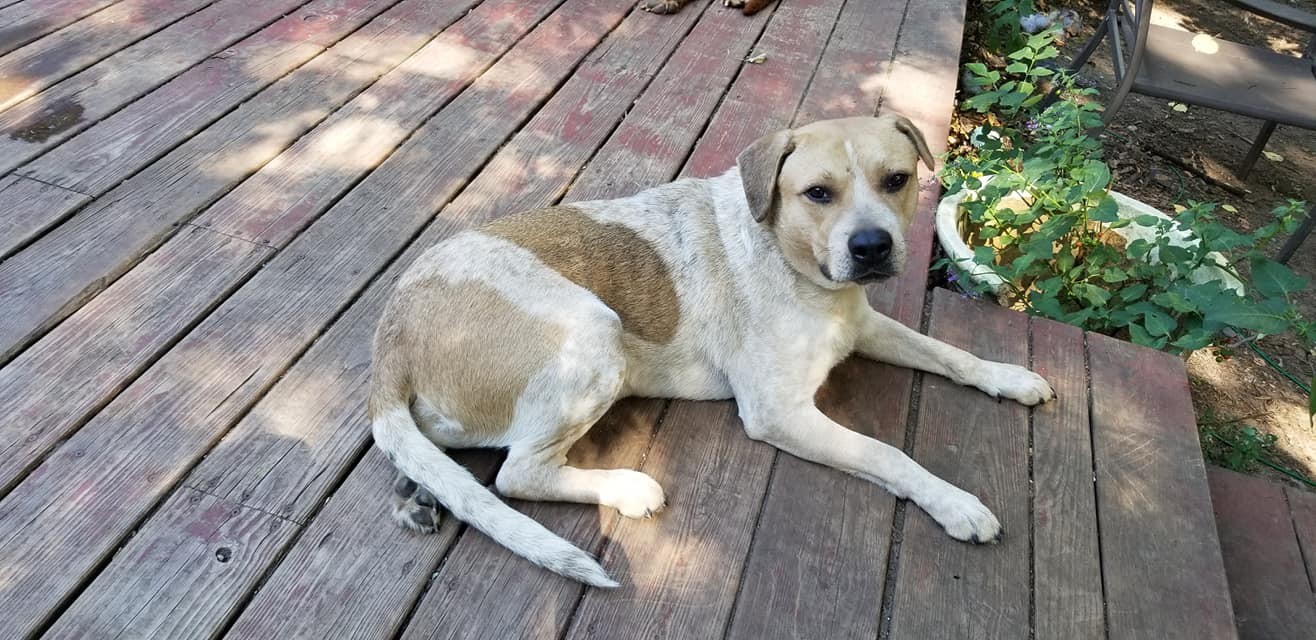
(838, 194)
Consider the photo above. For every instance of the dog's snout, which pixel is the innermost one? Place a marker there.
(870, 247)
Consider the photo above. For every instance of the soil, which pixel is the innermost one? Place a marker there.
(1165, 157)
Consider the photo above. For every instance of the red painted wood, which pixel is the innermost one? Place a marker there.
(479, 590)
(1067, 598)
(30, 69)
(119, 465)
(1267, 579)
(1302, 506)
(945, 588)
(1160, 553)
(144, 100)
(23, 24)
(165, 295)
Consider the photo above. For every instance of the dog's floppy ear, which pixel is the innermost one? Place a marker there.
(915, 136)
(759, 165)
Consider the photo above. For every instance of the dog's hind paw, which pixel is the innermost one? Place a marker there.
(964, 517)
(662, 6)
(414, 507)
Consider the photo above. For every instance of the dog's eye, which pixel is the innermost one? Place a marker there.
(818, 194)
(895, 182)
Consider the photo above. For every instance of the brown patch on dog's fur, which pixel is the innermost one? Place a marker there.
(459, 359)
(610, 260)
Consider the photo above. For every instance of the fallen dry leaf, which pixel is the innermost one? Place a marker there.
(757, 59)
(1272, 156)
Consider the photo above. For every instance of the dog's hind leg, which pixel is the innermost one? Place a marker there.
(565, 404)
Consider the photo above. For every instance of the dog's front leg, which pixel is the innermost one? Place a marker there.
(807, 433)
(886, 340)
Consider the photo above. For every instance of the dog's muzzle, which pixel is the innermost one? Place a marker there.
(871, 255)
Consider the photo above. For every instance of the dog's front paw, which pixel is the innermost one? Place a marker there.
(1001, 380)
(634, 494)
(964, 517)
(662, 6)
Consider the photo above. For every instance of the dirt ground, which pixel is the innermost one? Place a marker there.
(1141, 146)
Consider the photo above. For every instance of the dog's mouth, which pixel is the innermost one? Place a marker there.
(866, 277)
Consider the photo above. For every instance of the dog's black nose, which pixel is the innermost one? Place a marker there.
(870, 247)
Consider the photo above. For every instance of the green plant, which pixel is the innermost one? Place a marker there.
(1043, 219)
(1230, 444)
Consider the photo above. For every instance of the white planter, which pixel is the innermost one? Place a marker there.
(950, 235)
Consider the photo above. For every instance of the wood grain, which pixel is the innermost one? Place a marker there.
(19, 225)
(816, 567)
(680, 578)
(167, 294)
(30, 69)
(352, 566)
(120, 464)
(1067, 594)
(945, 588)
(1160, 552)
(1263, 561)
(199, 550)
(53, 276)
(21, 25)
(146, 99)
(851, 74)
(1302, 506)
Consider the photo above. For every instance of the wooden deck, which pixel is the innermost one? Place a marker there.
(204, 202)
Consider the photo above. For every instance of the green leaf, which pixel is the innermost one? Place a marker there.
(1016, 67)
(1114, 274)
(1096, 175)
(1273, 279)
(1146, 220)
(1173, 301)
(976, 68)
(1131, 293)
(1106, 211)
(1159, 323)
(1140, 336)
(984, 256)
(1266, 316)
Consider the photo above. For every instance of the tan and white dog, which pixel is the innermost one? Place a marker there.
(522, 334)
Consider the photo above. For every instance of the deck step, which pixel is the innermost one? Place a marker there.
(1265, 532)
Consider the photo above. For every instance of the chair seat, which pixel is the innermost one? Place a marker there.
(1228, 76)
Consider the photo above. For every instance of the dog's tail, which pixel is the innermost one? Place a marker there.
(471, 502)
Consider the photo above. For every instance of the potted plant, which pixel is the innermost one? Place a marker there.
(1031, 219)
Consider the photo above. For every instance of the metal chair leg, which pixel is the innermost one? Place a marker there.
(1299, 235)
(1258, 144)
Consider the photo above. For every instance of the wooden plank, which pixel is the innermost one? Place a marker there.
(219, 75)
(200, 549)
(480, 590)
(19, 224)
(817, 567)
(946, 588)
(43, 283)
(352, 563)
(117, 147)
(1067, 596)
(157, 301)
(1160, 554)
(833, 583)
(21, 25)
(926, 68)
(667, 585)
(1267, 580)
(853, 70)
(208, 600)
(1302, 506)
(116, 467)
(29, 69)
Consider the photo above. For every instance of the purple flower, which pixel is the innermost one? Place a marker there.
(1032, 125)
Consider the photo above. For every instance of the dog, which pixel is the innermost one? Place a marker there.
(749, 285)
(747, 7)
